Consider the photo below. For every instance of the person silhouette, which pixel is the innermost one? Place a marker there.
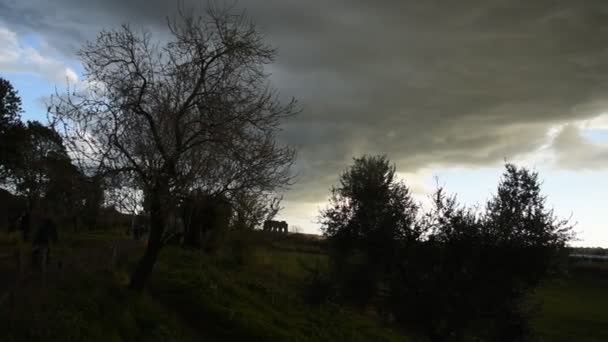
(44, 237)
(24, 225)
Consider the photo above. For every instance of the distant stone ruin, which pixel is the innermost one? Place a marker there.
(275, 226)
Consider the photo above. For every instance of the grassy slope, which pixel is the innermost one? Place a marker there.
(83, 302)
(251, 291)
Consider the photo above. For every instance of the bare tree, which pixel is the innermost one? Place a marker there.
(251, 209)
(193, 114)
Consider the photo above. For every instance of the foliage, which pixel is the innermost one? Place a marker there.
(194, 296)
(206, 220)
(517, 218)
(10, 105)
(454, 273)
(39, 170)
(319, 285)
(10, 127)
(36, 169)
(39, 150)
(258, 301)
(193, 115)
(369, 216)
(475, 273)
(251, 209)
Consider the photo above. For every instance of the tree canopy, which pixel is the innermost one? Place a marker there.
(10, 105)
(370, 214)
(453, 272)
(195, 114)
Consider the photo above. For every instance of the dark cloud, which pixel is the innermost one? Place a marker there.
(428, 82)
(574, 152)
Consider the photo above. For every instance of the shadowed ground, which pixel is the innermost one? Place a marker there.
(252, 290)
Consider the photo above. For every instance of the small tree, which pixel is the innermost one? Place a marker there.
(527, 243)
(193, 115)
(517, 216)
(251, 209)
(435, 288)
(369, 218)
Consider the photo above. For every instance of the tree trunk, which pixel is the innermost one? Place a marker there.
(157, 225)
(144, 267)
(26, 221)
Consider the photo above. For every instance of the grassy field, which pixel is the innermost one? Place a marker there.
(575, 308)
(251, 290)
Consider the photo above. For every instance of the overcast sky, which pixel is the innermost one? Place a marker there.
(446, 89)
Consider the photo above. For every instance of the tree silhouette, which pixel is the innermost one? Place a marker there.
(10, 105)
(251, 209)
(194, 114)
(473, 273)
(11, 128)
(370, 215)
(38, 150)
(455, 273)
(517, 213)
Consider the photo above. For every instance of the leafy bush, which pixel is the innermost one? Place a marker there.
(319, 287)
(455, 273)
(474, 273)
(370, 215)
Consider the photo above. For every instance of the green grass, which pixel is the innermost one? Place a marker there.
(256, 297)
(83, 307)
(79, 304)
(251, 290)
(575, 308)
